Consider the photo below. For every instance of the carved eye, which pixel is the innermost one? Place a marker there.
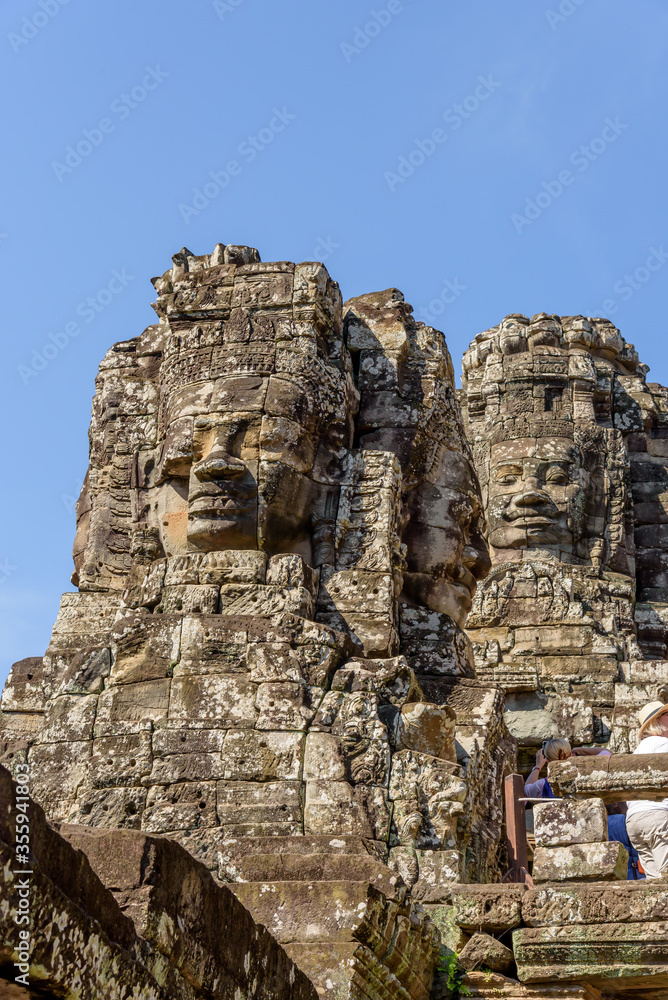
(507, 478)
(557, 478)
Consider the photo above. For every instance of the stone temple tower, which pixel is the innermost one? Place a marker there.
(278, 541)
(568, 439)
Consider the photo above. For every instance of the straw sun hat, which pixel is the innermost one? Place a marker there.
(650, 712)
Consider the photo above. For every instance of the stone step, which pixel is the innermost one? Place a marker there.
(319, 868)
(343, 924)
(240, 847)
(350, 969)
(314, 911)
(554, 905)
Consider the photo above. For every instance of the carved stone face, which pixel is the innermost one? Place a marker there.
(537, 493)
(237, 465)
(446, 549)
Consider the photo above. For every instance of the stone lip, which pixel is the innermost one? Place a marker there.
(620, 777)
(596, 953)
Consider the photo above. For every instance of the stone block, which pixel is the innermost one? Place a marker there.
(84, 672)
(286, 705)
(57, 770)
(145, 647)
(324, 758)
(189, 599)
(359, 810)
(453, 938)
(120, 760)
(24, 690)
(436, 871)
(625, 956)
(212, 644)
(185, 767)
(226, 700)
(120, 807)
(254, 808)
(69, 717)
(237, 599)
(183, 805)
(581, 861)
(133, 703)
(90, 615)
(491, 908)
(176, 737)
(595, 903)
(426, 728)
(249, 755)
(565, 822)
(331, 867)
(495, 986)
(483, 951)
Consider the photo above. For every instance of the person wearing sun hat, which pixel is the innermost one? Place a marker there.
(647, 822)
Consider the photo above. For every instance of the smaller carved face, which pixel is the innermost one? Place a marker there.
(537, 493)
(446, 549)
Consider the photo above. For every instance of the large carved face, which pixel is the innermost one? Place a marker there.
(446, 549)
(238, 463)
(537, 493)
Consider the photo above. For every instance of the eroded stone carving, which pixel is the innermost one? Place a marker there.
(563, 424)
(278, 541)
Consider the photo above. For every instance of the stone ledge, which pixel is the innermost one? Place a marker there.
(622, 777)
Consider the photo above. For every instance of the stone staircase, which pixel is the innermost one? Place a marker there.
(340, 913)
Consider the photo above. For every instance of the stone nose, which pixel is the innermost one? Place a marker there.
(532, 495)
(219, 464)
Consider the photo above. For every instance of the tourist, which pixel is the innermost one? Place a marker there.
(617, 831)
(647, 822)
(536, 787)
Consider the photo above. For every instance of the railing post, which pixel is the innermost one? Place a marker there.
(516, 828)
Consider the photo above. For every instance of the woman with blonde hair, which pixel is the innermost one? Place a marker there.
(536, 787)
(647, 822)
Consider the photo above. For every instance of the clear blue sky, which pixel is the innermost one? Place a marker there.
(316, 106)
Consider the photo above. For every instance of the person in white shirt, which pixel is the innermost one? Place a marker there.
(647, 822)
